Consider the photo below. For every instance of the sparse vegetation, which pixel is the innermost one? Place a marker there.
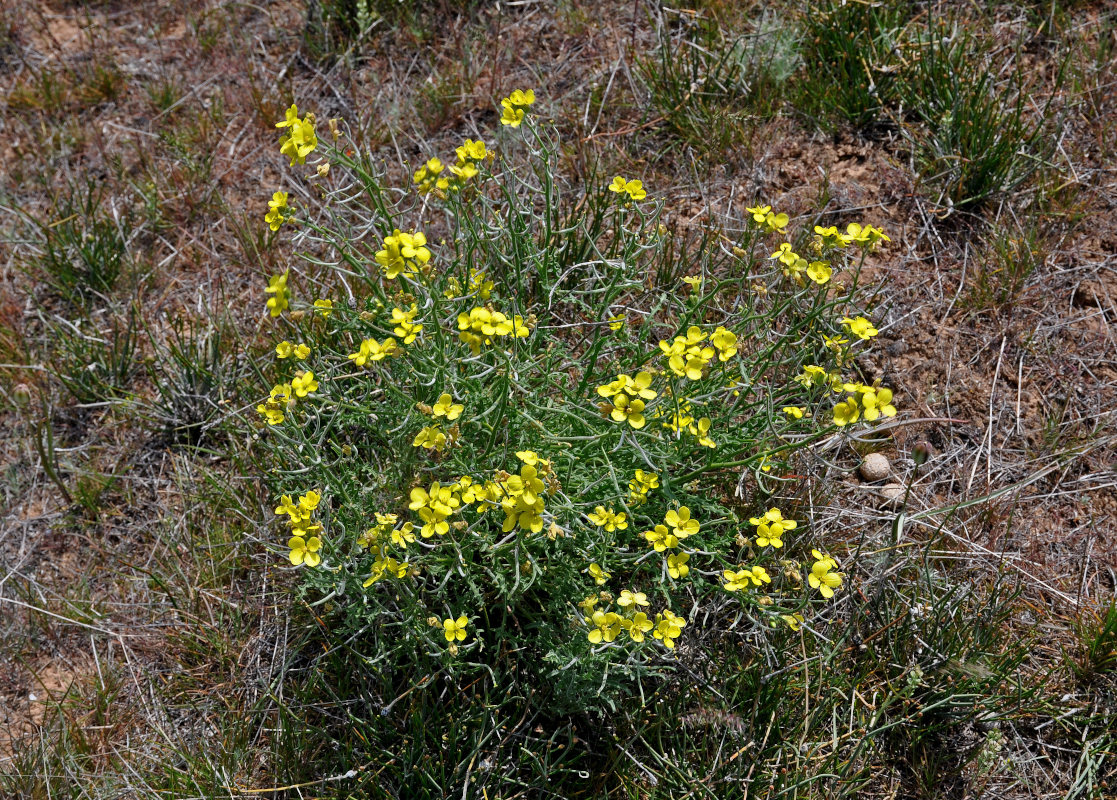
(166, 634)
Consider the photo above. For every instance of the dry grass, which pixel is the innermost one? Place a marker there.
(145, 637)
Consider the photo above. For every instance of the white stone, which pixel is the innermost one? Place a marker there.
(875, 467)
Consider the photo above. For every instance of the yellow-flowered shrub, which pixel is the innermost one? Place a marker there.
(509, 475)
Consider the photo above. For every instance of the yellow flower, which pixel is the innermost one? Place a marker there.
(514, 107)
(372, 350)
(726, 343)
(626, 409)
(632, 599)
(877, 402)
(701, 430)
(404, 535)
(616, 322)
(276, 206)
(819, 272)
(793, 621)
(681, 523)
(771, 528)
(637, 626)
(693, 281)
(431, 437)
(455, 628)
(305, 551)
(304, 384)
(607, 625)
(284, 349)
(599, 575)
(860, 327)
(325, 307)
(640, 485)
(633, 189)
(795, 412)
(277, 285)
(300, 140)
(846, 412)
(661, 539)
(785, 255)
(608, 520)
(446, 407)
(302, 351)
(472, 151)
(677, 566)
(775, 223)
(668, 628)
(532, 459)
(823, 577)
(759, 213)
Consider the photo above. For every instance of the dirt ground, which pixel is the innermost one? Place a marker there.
(168, 109)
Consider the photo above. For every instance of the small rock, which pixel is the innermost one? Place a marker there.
(893, 495)
(875, 467)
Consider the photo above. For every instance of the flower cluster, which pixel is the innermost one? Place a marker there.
(608, 519)
(515, 105)
(739, 580)
(287, 349)
(633, 189)
(865, 236)
(676, 526)
(372, 350)
(771, 527)
(871, 401)
(680, 418)
(403, 253)
(277, 285)
(638, 488)
(276, 206)
(606, 626)
(626, 396)
(768, 221)
(299, 139)
(431, 178)
(283, 397)
(688, 357)
(306, 540)
(795, 265)
(824, 576)
(481, 324)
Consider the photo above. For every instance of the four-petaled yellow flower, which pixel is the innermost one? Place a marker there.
(632, 599)
(846, 412)
(681, 523)
(431, 437)
(823, 575)
(304, 384)
(454, 629)
(305, 550)
(677, 566)
(637, 626)
(446, 407)
(819, 272)
(860, 327)
(795, 412)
